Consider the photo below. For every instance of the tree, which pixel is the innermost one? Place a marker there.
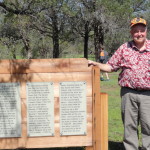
(51, 22)
(17, 19)
(40, 27)
(46, 17)
(81, 23)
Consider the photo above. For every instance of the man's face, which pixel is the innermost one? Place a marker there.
(139, 33)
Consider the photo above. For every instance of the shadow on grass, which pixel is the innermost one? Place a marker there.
(116, 145)
(112, 146)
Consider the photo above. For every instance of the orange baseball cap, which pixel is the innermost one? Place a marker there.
(137, 21)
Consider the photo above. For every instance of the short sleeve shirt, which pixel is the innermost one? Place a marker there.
(134, 65)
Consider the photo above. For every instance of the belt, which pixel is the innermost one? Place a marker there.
(139, 90)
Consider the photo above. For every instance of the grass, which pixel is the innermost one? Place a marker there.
(115, 126)
(115, 123)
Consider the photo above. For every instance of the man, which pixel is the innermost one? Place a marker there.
(103, 57)
(133, 58)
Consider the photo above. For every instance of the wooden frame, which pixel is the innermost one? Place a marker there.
(58, 70)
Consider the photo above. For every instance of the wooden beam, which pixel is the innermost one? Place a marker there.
(104, 121)
(96, 108)
(100, 114)
(43, 65)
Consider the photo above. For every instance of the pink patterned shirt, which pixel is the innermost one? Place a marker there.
(135, 66)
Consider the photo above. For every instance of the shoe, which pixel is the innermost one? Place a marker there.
(107, 79)
(101, 78)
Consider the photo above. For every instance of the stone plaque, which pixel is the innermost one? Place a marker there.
(10, 110)
(40, 109)
(73, 108)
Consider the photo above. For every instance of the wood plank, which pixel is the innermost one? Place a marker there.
(12, 78)
(100, 114)
(104, 121)
(44, 65)
(64, 141)
(43, 142)
(59, 77)
(79, 64)
(9, 143)
(89, 148)
(5, 66)
(96, 109)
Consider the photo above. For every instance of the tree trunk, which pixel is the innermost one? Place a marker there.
(13, 50)
(26, 43)
(55, 46)
(14, 53)
(55, 37)
(27, 47)
(98, 33)
(98, 38)
(86, 39)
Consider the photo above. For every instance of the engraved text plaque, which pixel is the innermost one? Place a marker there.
(10, 113)
(73, 108)
(40, 108)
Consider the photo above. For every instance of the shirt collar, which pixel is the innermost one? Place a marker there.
(147, 45)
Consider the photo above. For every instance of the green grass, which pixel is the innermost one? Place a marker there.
(115, 126)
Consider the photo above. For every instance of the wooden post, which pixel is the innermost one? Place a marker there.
(104, 121)
(100, 114)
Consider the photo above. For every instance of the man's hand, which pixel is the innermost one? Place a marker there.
(102, 67)
(90, 62)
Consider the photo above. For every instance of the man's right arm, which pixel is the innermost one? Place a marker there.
(103, 67)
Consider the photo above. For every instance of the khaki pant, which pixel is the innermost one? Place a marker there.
(135, 108)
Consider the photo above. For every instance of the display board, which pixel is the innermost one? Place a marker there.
(44, 101)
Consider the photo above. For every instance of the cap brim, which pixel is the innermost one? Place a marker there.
(137, 23)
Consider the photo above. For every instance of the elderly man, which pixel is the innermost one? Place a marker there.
(133, 58)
